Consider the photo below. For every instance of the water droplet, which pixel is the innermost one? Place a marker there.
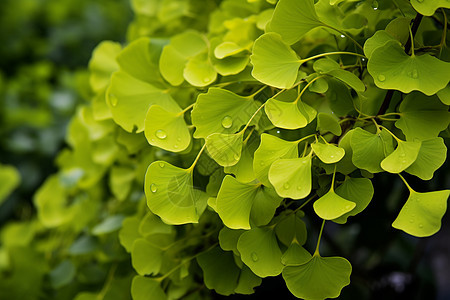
(175, 146)
(261, 163)
(414, 74)
(342, 36)
(402, 154)
(331, 156)
(178, 139)
(254, 256)
(286, 186)
(227, 122)
(375, 4)
(363, 59)
(161, 165)
(420, 225)
(299, 188)
(411, 220)
(206, 79)
(153, 188)
(381, 77)
(161, 134)
(113, 99)
(278, 131)
(403, 161)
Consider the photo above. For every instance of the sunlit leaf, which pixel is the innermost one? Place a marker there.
(319, 278)
(402, 157)
(331, 206)
(239, 203)
(328, 153)
(171, 195)
(291, 178)
(428, 7)
(142, 287)
(270, 150)
(379, 39)
(166, 129)
(327, 123)
(243, 170)
(358, 190)
(288, 115)
(221, 111)
(274, 62)
(422, 213)
(199, 71)
(228, 239)
(292, 19)
(260, 252)
(295, 255)
(224, 148)
(103, 63)
(141, 251)
(392, 68)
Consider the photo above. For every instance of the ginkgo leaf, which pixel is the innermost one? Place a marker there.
(228, 239)
(288, 115)
(221, 111)
(224, 148)
(328, 153)
(175, 55)
(243, 170)
(9, 178)
(102, 64)
(142, 287)
(291, 178)
(199, 71)
(232, 63)
(292, 19)
(432, 155)
(247, 281)
(141, 251)
(166, 129)
(422, 213)
(292, 229)
(271, 149)
(402, 157)
(130, 98)
(444, 95)
(357, 190)
(260, 252)
(239, 203)
(328, 123)
(331, 206)
(225, 281)
(427, 7)
(319, 278)
(332, 68)
(392, 68)
(295, 255)
(370, 149)
(274, 62)
(379, 39)
(422, 117)
(171, 195)
(226, 49)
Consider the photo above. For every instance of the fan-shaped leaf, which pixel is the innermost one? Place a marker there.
(432, 155)
(422, 213)
(331, 206)
(428, 7)
(224, 148)
(292, 178)
(328, 123)
(292, 229)
(142, 287)
(328, 153)
(402, 157)
(295, 255)
(288, 115)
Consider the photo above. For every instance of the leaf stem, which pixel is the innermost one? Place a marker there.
(331, 53)
(186, 109)
(252, 117)
(305, 137)
(316, 253)
(444, 33)
(257, 92)
(393, 135)
(306, 86)
(406, 183)
(191, 168)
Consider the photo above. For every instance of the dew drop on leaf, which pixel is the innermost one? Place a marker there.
(113, 99)
(421, 225)
(342, 36)
(261, 163)
(411, 221)
(178, 139)
(161, 134)
(254, 256)
(414, 74)
(375, 4)
(286, 186)
(175, 146)
(381, 77)
(299, 188)
(153, 188)
(227, 122)
(161, 165)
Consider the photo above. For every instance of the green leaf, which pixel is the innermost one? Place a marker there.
(129, 232)
(392, 68)
(270, 150)
(102, 64)
(444, 95)
(108, 225)
(224, 148)
(10, 179)
(292, 229)
(221, 111)
(247, 281)
(243, 170)
(225, 281)
(174, 56)
(260, 252)
(428, 7)
(319, 278)
(120, 180)
(166, 129)
(422, 117)
(332, 206)
(422, 213)
(228, 239)
(140, 253)
(402, 157)
(432, 155)
(274, 62)
(130, 98)
(289, 115)
(62, 274)
(370, 149)
(239, 203)
(142, 287)
(292, 178)
(332, 68)
(171, 195)
(292, 19)
(295, 255)
(328, 153)
(199, 71)
(379, 39)
(358, 190)
(226, 49)
(327, 123)
(152, 224)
